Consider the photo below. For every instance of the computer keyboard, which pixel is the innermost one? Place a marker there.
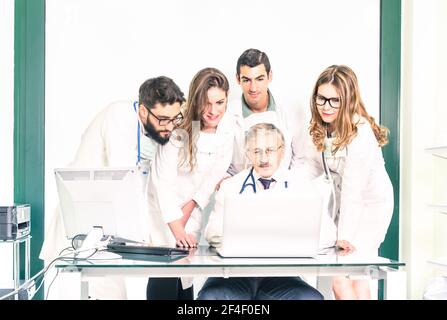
(144, 248)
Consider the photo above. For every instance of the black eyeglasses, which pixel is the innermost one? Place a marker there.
(176, 121)
(321, 101)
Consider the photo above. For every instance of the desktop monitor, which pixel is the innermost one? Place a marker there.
(108, 197)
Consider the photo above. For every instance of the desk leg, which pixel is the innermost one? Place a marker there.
(395, 284)
(324, 285)
(71, 286)
(84, 290)
(16, 266)
(27, 258)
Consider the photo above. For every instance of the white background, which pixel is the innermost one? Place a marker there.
(423, 233)
(101, 51)
(6, 101)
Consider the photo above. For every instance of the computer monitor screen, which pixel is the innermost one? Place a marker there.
(108, 197)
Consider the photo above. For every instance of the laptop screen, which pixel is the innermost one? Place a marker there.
(274, 223)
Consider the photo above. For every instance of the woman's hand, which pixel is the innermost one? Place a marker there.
(186, 241)
(218, 184)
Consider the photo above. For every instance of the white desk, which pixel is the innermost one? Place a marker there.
(205, 262)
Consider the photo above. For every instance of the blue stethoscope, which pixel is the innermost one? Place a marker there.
(252, 183)
(143, 170)
(135, 106)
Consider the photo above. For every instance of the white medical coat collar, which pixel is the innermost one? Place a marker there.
(235, 106)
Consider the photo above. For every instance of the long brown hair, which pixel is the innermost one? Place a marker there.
(346, 84)
(196, 105)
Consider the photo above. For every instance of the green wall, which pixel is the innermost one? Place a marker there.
(390, 54)
(390, 49)
(29, 117)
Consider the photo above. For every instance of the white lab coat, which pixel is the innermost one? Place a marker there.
(109, 141)
(172, 185)
(279, 118)
(364, 194)
(111, 138)
(233, 185)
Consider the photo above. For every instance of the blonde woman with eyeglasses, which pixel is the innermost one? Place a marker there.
(350, 141)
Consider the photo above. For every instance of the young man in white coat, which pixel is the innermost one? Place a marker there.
(257, 105)
(123, 134)
(265, 150)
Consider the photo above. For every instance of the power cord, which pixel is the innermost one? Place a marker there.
(77, 259)
(57, 272)
(83, 236)
(45, 274)
(42, 273)
(27, 284)
(74, 258)
(51, 283)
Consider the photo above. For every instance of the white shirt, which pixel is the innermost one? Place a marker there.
(111, 139)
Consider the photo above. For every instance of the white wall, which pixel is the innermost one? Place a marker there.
(6, 101)
(98, 51)
(102, 50)
(423, 177)
(6, 126)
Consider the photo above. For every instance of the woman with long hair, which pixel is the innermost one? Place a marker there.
(347, 141)
(187, 169)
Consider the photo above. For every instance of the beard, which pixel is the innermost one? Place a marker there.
(153, 134)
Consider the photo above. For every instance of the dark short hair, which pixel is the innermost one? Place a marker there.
(253, 58)
(161, 90)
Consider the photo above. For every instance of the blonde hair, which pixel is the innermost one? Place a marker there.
(196, 105)
(345, 83)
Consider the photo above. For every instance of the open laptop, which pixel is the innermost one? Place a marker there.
(274, 223)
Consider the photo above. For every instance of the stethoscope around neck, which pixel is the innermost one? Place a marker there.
(252, 182)
(328, 179)
(135, 107)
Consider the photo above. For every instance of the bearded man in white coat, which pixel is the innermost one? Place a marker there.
(124, 134)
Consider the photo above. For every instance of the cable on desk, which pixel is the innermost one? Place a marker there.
(42, 273)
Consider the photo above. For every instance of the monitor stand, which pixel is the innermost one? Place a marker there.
(91, 243)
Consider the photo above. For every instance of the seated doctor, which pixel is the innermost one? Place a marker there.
(265, 148)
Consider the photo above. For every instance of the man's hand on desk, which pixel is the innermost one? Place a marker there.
(344, 247)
